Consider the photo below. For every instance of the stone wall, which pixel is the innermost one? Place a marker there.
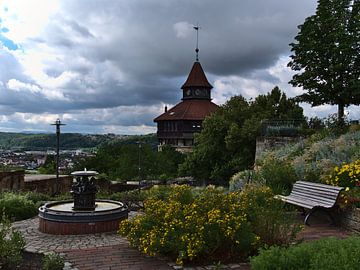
(18, 181)
(13, 180)
(350, 219)
(268, 143)
(47, 183)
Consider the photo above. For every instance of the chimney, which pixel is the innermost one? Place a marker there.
(165, 108)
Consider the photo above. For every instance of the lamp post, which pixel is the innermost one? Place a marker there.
(57, 124)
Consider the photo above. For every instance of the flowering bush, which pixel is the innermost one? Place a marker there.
(187, 226)
(348, 175)
(192, 224)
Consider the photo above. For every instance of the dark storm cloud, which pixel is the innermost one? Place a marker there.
(236, 36)
(133, 54)
(138, 38)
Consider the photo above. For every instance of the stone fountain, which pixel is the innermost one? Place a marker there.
(83, 215)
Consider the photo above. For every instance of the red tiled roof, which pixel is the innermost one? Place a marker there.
(188, 110)
(197, 78)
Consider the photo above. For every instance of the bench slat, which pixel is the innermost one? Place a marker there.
(318, 185)
(315, 196)
(307, 203)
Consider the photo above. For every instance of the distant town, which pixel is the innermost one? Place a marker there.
(32, 160)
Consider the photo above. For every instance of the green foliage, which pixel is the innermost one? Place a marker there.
(240, 179)
(314, 158)
(53, 261)
(49, 167)
(11, 245)
(189, 224)
(268, 219)
(134, 199)
(67, 140)
(326, 55)
(17, 206)
(227, 141)
(160, 192)
(38, 198)
(121, 161)
(276, 174)
(324, 254)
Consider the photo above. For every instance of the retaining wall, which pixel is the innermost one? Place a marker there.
(350, 219)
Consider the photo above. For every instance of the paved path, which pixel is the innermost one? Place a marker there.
(110, 251)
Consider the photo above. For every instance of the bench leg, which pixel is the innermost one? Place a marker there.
(314, 210)
(308, 215)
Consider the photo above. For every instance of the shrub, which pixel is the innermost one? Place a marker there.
(267, 216)
(134, 199)
(160, 192)
(17, 206)
(348, 175)
(186, 227)
(324, 254)
(197, 223)
(53, 261)
(314, 158)
(11, 245)
(37, 198)
(277, 174)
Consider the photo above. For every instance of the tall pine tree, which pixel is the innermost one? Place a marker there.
(326, 54)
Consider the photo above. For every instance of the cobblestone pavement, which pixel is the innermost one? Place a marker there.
(39, 242)
(111, 251)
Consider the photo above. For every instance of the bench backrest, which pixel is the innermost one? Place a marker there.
(324, 194)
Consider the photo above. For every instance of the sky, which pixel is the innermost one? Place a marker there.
(111, 66)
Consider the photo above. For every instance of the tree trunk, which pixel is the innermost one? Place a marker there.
(341, 108)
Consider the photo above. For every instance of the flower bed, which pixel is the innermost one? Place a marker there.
(195, 224)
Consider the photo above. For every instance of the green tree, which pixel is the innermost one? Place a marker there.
(167, 162)
(326, 55)
(227, 141)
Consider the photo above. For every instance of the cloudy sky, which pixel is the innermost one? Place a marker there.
(110, 66)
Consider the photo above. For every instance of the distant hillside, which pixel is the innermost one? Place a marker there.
(22, 141)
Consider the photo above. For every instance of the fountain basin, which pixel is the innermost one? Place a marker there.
(61, 218)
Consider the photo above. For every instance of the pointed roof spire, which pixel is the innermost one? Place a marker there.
(197, 78)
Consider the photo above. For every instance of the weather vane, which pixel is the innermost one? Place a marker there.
(197, 27)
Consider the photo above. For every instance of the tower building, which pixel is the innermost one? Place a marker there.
(177, 125)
